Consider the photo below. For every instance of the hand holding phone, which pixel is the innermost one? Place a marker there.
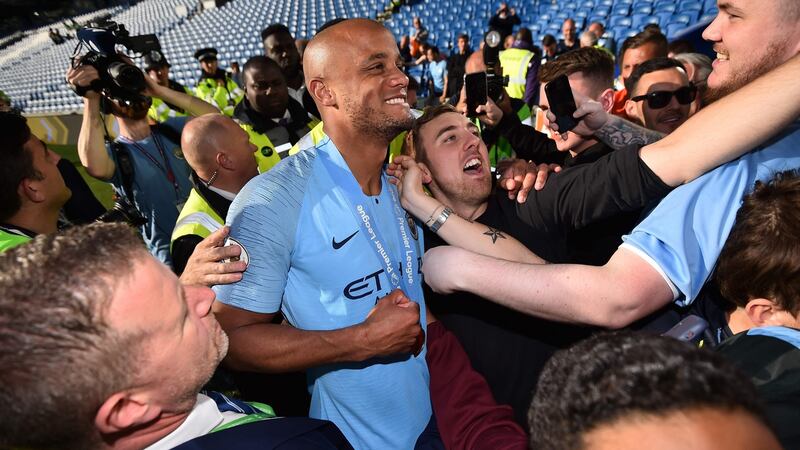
(476, 92)
(562, 103)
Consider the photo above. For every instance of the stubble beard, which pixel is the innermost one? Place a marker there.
(739, 78)
(378, 124)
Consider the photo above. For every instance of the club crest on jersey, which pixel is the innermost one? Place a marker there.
(243, 256)
(412, 226)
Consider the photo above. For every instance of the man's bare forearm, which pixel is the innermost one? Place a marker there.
(91, 142)
(282, 348)
(621, 134)
(569, 292)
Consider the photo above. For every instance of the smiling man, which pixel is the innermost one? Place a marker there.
(671, 253)
(330, 246)
(661, 95)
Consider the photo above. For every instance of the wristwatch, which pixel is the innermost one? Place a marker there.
(441, 220)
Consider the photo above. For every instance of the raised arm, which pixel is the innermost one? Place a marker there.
(727, 129)
(256, 344)
(91, 139)
(192, 105)
(455, 230)
(625, 289)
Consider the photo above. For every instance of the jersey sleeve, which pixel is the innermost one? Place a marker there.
(263, 220)
(684, 235)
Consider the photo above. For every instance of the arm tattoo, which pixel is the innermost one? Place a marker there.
(494, 233)
(620, 134)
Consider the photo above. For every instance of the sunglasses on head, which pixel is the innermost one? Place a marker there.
(660, 99)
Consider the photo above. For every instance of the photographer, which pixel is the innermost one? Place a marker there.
(157, 177)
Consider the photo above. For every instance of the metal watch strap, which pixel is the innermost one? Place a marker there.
(441, 220)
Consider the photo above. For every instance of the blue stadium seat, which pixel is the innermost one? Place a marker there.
(620, 22)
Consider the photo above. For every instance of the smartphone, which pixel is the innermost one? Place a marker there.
(562, 103)
(689, 329)
(476, 92)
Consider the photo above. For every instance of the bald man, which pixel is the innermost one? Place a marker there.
(341, 259)
(221, 158)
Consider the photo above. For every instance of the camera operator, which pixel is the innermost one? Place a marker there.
(32, 190)
(152, 168)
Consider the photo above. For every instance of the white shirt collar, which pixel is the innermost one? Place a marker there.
(225, 194)
(286, 116)
(204, 417)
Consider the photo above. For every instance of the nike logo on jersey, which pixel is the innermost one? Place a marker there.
(338, 245)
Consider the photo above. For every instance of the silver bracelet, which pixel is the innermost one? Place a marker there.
(441, 220)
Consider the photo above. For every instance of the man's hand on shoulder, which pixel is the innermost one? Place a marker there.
(213, 263)
(393, 327)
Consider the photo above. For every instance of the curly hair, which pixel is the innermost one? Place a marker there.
(614, 375)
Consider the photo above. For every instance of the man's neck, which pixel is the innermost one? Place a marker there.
(35, 219)
(146, 437)
(465, 210)
(296, 82)
(738, 321)
(132, 129)
(364, 155)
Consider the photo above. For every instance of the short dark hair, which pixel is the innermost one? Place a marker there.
(648, 36)
(430, 113)
(679, 46)
(652, 65)
(612, 376)
(274, 28)
(57, 350)
(16, 163)
(524, 34)
(548, 39)
(260, 61)
(463, 36)
(593, 63)
(761, 258)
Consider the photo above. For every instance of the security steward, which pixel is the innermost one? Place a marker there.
(214, 85)
(519, 64)
(157, 67)
(273, 119)
(221, 158)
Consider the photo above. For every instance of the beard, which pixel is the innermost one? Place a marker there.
(375, 123)
(768, 61)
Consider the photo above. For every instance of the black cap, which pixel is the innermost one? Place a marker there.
(205, 54)
(154, 60)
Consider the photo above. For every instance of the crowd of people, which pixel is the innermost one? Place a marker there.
(298, 257)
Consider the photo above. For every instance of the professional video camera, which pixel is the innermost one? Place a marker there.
(123, 212)
(119, 79)
(495, 81)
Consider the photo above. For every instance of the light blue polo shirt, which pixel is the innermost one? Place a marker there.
(153, 194)
(309, 258)
(684, 235)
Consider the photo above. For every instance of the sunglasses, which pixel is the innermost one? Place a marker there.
(660, 99)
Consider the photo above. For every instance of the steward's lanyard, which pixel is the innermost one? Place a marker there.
(408, 280)
(167, 167)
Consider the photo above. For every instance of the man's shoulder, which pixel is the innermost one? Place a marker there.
(286, 180)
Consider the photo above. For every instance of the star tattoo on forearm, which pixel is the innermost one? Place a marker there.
(494, 233)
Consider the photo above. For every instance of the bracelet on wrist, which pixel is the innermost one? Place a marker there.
(433, 216)
(440, 220)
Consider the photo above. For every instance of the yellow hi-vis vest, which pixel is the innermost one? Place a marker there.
(159, 110)
(266, 153)
(197, 217)
(9, 240)
(223, 97)
(515, 64)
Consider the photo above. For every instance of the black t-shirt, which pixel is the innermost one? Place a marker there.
(509, 348)
(455, 71)
(504, 26)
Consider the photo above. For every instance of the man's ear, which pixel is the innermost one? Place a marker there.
(223, 161)
(321, 93)
(761, 312)
(124, 411)
(606, 99)
(632, 111)
(30, 189)
(426, 173)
